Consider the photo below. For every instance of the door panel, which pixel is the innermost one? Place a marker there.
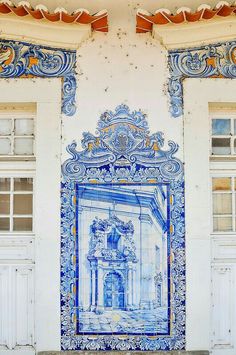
(16, 306)
(113, 291)
(223, 309)
(24, 305)
(4, 304)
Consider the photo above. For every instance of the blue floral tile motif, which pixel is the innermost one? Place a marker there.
(122, 239)
(215, 60)
(18, 59)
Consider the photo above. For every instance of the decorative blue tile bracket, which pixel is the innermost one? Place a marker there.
(212, 61)
(121, 152)
(18, 59)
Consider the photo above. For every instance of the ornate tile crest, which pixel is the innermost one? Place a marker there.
(19, 59)
(122, 239)
(212, 61)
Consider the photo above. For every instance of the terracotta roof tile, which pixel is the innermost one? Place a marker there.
(98, 21)
(145, 21)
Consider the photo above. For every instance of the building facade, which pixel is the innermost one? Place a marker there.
(117, 177)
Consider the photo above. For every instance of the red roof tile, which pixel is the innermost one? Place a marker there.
(98, 21)
(145, 21)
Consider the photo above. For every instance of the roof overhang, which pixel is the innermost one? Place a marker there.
(40, 26)
(187, 35)
(187, 28)
(60, 35)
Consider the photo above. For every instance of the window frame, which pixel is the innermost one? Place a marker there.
(223, 114)
(19, 113)
(223, 174)
(222, 165)
(12, 192)
(21, 174)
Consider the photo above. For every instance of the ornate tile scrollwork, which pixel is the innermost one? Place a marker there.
(19, 59)
(116, 291)
(212, 61)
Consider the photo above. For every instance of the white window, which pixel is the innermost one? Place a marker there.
(17, 123)
(223, 170)
(223, 200)
(223, 141)
(16, 204)
(16, 134)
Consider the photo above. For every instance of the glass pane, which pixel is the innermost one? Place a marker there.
(221, 184)
(4, 224)
(234, 145)
(24, 127)
(222, 203)
(4, 204)
(4, 184)
(221, 146)
(22, 224)
(5, 127)
(222, 224)
(5, 146)
(23, 184)
(22, 204)
(234, 126)
(23, 146)
(220, 127)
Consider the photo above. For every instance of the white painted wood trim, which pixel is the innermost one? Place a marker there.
(198, 93)
(60, 35)
(198, 33)
(46, 93)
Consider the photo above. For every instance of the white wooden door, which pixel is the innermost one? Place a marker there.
(16, 306)
(16, 296)
(223, 339)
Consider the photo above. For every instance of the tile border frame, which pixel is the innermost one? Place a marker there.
(25, 60)
(162, 167)
(209, 61)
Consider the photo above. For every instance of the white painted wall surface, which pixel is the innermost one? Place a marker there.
(121, 67)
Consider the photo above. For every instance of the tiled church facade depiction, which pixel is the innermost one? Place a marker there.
(130, 269)
(128, 217)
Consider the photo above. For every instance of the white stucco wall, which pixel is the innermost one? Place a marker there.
(121, 67)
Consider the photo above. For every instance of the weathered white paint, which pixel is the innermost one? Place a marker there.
(121, 67)
(198, 93)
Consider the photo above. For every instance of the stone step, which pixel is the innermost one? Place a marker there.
(123, 352)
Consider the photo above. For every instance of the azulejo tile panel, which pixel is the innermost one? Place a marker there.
(122, 239)
(18, 59)
(211, 61)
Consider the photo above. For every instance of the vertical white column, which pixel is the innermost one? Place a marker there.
(163, 265)
(93, 285)
(80, 256)
(145, 222)
(130, 286)
(100, 289)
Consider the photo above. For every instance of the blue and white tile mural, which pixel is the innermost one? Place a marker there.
(122, 259)
(122, 246)
(20, 59)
